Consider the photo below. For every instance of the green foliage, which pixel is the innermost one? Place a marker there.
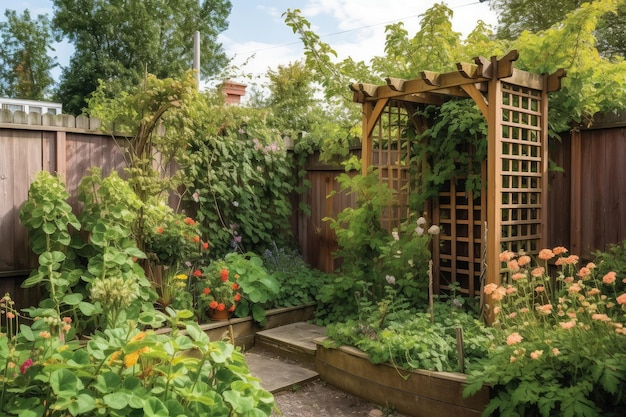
(370, 257)
(409, 340)
(560, 346)
(452, 148)
(118, 42)
(24, 61)
(127, 372)
(298, 283)
(613, 260)
(242, 178)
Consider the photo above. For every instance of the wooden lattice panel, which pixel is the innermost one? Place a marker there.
(458, 250)
(390, 156)
(521, 167)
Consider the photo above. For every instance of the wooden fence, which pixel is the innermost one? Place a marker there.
(587, 202)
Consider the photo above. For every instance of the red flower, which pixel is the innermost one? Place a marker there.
(205, 246)
(206, 291)
(27, 364)
(196, 239)
(197, 273)
(232, 308)
(237, 297)
(159, 230)
(221, 307)
(235, 286)
(213, 304)
(224, 275)
(189, 221)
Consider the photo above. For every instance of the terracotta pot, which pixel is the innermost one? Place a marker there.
(217, 315)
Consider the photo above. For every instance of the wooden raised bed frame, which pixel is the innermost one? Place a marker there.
(415, 393)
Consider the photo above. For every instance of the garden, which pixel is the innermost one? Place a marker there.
(197, 228)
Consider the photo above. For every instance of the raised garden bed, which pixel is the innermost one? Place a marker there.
(242, 330)
(416, 393)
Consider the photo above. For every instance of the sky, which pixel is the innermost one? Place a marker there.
(258, 38)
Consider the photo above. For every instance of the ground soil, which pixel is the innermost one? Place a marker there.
(318, 399)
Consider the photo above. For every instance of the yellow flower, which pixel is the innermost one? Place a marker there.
(181, 276)
(115, 356)
(130, 359)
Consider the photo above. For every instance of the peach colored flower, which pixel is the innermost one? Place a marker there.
(523, 260)
(537, 272)
(512, 359)
(67, 320)
(545, 254)
(45, 334)
(497, 309)
(490, 288)
(544, 309)
(517, 276)
(506, 256)
(600, 317)
(609, 278)
(593, 291)
(511, 290)
(536, 354)
(584, 272)
(559, 250)
(10, 315)
(574, 288)
(512, 315)
(524, 310)
(621, 299)
(568, 324)
(513, 339)
(591, 265)
(513, 265)
(498, 294)
(570, 260)
(540, 288)
(568, 280)
(556, 351)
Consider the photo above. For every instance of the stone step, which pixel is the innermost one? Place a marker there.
(293, 341)
(277, 373)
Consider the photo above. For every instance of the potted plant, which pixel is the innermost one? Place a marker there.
(218, 291)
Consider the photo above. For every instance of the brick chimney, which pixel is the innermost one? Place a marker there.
(233, 91)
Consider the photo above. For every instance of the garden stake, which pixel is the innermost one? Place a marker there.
(459, 349)
(430, 291)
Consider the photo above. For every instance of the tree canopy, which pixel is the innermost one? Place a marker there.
(24, 60)
(120, 41)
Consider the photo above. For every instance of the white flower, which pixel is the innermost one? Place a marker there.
(419, 231)
(236, 203)
(390, 279)
(421, 221)
(433, 230)
(395, 235)
(196, 197)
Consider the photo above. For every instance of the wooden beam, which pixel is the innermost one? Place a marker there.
(430, 77)
(396, 84)
(483, 67)
(375, 115)
(369, 90)
(479, 99)
(554, 80)
(505, 64)
(467, 69)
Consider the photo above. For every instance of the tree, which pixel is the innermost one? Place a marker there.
(119, 41)
(24, 61)
(516, 16)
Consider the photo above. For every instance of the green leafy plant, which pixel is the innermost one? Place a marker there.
(298, 283)
(561, 342)
(217, 288)
(126, 371)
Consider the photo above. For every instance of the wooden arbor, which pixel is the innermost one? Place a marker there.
(511, 212)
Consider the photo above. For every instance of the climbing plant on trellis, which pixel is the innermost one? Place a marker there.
(511, 212)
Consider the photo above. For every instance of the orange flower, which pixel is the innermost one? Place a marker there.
(232, 308)
(196, 239)
(513, 339)
(224, 275)
(536, 354)
(237, 297)
(189, 221)
(540, 288)
(130, 359)
(490, 288)
(506, 256)
(213, 304)
(568, 324)
(513, 265)
(235, 286)
(546, 254)
(600, 317)
(517, 276)
(559, 250)
(523, 260)
(584, 272)
(160, 230)
(206, 291)
(45, 334)
(537, 272)
(205, 246)
(10, 315)
(221, 307)
(609, 278)
(544, 309)
(197, 273)
(621, 299)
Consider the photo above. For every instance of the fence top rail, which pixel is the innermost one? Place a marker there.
(49, 122)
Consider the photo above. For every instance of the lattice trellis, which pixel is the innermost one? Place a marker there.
(515, 104)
